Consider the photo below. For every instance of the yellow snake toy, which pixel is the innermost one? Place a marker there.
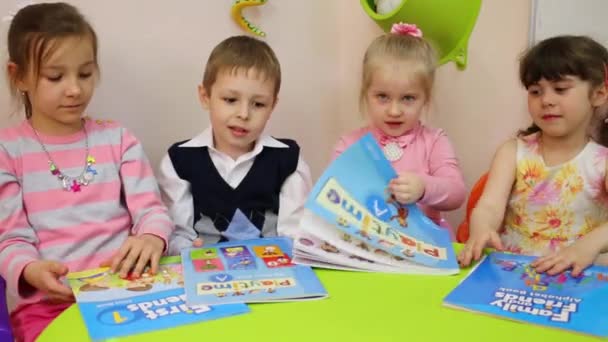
(237, 7)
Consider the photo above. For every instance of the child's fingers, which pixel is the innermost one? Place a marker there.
(462, 259)
(403, 194)
(129, 260)
(496, 242)
(577, 270)
(559, 267)
(403, 186)
(466, 255)
(405, 177)
(544, 266)
(544, 263)
(58, 268)
(154, 260)
(478, 248)
(404, 198)
(120, 256)
(54, 286)
(198, 242)
(459, 257)
(539, 261)
(398, 187)
(392, 188)
(142, 261)
(403, 182)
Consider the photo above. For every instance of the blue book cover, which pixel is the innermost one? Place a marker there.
(247, 271)
(352, 195)
(505, 285)
(114, 307)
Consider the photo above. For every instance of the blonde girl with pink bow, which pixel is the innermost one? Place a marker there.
(398, 74)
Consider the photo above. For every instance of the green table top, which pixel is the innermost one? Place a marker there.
(361, 307)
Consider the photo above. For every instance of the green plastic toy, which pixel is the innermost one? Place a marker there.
(446, 23)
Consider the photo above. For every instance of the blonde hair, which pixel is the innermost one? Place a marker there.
(243, 53)
(400, 48)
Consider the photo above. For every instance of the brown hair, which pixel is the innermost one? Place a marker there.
(242, 53)
(402, 48)
(555, 58)
(33, 36)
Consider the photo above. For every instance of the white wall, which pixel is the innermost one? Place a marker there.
(152, 55)
(554, 17)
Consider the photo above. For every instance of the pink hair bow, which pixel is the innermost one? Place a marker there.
(406, 30)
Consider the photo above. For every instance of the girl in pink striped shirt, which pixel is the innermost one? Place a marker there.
(398, 74)
(76, 193)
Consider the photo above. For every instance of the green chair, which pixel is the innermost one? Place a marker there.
(446, 23)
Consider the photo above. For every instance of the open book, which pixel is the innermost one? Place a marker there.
(506, 286)
(115, 307)
(247, 271)
(351, 222)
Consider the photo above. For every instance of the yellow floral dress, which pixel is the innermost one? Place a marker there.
(552, 206)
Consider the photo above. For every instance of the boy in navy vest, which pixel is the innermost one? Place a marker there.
(232, 181)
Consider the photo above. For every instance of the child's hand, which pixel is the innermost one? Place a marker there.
(577, 256)
(135, 253)
(407, 188)
(198, 242)
(478, 240)
(44, 276)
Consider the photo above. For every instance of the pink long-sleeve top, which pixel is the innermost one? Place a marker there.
(40, 220)
(428, 153)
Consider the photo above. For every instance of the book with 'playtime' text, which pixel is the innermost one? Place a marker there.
(247, 271)
(352, 223)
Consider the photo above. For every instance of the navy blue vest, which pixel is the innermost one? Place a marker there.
(257, 193)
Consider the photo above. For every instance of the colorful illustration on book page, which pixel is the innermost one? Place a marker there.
(206, 260)
(543, 282)
(100, 280)
(238, 258)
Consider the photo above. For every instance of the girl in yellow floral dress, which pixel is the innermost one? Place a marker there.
(546, 194)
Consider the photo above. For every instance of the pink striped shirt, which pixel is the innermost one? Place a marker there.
(39, 220)
(429, 154)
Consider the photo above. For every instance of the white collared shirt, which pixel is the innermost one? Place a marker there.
(178, 197)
